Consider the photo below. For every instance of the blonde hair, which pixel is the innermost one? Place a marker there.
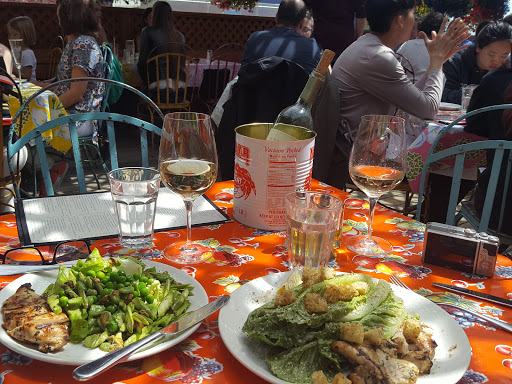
(24, 26)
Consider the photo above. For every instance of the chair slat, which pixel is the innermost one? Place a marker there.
(454, 191)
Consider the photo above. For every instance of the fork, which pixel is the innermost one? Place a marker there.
(499, 323)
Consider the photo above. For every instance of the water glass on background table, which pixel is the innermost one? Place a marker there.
(467, 92)
(312, 220)
(130, 51)
(134, 192)
(16, 55)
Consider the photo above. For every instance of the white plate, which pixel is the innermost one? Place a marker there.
(77, 354)
(449, 106)
(453, 352)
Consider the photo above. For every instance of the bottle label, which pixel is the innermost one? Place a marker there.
(278, 135)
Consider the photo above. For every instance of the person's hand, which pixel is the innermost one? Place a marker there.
(444, 44)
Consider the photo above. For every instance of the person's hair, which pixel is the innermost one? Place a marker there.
(291, 12)
(381, 13)
(163, 20)
(492, 32)
(508, 19)
(480, 25)
(78, 17)
(25, 27)
(431, 22)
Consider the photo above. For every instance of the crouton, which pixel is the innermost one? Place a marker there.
(352, 332)
(319, 377)
(331, 293)
(347, 292)
(310, 277)
(411, 330)
(284, 298)
(327, 273)
(361, 287)
(374, 337)
(341, 379)
(315, 303)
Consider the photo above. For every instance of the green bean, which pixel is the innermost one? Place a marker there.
(96, 310)
(53, 302)
(183, 308)
(126, 290)
(95, 340)
(129, 319)
(165, 304)
(91, 292)
(140, 319)
(85, 302)
(69, 291)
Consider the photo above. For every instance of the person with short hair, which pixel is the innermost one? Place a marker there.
(415, 51)
(491, 51)
(308, 25)
(372, 81)
(283, 40)
(22, 27)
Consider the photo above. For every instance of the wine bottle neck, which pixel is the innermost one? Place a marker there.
(308, 95)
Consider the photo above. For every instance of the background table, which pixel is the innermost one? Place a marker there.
(418, 150)
(242, 254)
(42, 109)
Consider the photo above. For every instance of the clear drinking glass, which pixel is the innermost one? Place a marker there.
(188, 166)
(376, 166)
(16, 54)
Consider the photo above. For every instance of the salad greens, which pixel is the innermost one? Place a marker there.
(112, 303)
(301, 341)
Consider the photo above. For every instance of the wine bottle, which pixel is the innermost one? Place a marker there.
(295, 122)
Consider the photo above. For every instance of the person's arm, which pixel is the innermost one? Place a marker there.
(6, 53)
(360, 25)
(452, 92)
(76, 90)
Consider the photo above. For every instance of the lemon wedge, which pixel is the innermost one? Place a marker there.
(292, 281)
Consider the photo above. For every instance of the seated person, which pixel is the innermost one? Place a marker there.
(22, 27)
(81, 57)
(415, 51)
(5, 59)
(491, 50)
(161, 34)
(495, 89)
(307, 25)
(285, 39)
(372, 81)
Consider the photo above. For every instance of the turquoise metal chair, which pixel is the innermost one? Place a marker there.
(460, 152)
(35, 138)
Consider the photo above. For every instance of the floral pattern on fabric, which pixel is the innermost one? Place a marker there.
(82, 52)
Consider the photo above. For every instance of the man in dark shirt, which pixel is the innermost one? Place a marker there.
(335, 28)
(284, 40)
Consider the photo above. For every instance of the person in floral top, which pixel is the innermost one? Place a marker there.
(81, 57)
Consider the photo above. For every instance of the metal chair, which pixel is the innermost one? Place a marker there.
(460, 152)
(35, 136)
(54, 58)
(222, 69)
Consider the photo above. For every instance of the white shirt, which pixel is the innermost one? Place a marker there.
(417, 54)
(28, 59)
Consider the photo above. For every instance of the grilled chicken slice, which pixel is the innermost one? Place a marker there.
(374, 366)
(28, 318)
(49, 337)
(24, 297)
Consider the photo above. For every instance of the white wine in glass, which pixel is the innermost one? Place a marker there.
(377, 164)
(16, 55)
(188, 167)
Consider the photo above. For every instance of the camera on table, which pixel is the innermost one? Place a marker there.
(462, 249)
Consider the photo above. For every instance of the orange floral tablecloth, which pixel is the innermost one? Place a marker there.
(242, 254)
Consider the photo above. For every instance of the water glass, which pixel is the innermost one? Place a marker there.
(134, 193)
(467, 92)
(312, 220)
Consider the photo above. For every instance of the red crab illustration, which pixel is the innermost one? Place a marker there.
(243, 183)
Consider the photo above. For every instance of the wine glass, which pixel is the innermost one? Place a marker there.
(188, 166)
(16, 54)
(376, 166)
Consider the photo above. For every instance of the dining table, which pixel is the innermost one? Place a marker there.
(418, 150)
(41, 109)
(239, 254)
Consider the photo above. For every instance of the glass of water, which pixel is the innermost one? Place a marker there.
(134, 193)
(467, 93)
(16, 55)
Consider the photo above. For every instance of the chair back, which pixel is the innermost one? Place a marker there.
(224, 66)
(35, 137)
(502, 153)
(53, 61)
(168, 79)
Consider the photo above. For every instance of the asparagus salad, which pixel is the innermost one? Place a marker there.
(112, 303)
(333, 323)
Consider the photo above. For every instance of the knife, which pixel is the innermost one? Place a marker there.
(480, 295)
(94, 368)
